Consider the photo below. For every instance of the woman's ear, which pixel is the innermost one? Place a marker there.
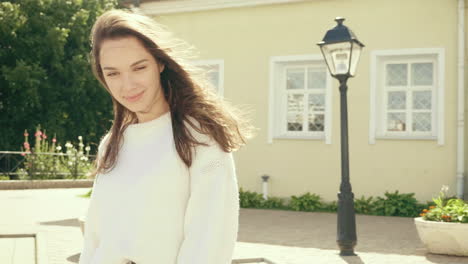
(161, 67)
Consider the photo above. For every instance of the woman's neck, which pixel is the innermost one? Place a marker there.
(145, 117)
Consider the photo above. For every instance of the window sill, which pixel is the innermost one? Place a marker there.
(300, 137)
(407, 137)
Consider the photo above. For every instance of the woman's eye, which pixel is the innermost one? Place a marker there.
(140, 68)
(111, 74)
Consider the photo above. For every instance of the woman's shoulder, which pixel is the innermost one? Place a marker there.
(104, 141)
(195, 130)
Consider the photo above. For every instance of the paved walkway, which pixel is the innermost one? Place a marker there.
(282, 237)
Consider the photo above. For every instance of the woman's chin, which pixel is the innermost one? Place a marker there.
(133, 108)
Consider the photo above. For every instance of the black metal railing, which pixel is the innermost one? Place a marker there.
(16, 164)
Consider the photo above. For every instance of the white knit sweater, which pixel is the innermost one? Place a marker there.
(151, 209)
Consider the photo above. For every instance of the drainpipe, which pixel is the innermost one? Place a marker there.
(265, 186)
(461, 99)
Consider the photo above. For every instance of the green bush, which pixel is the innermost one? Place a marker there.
(45, 74)
(393, 204)
(330, 207)
(306, 202)
(255, 200)
(250, 199)
(273, 203)
(364, 205)
(396, 204)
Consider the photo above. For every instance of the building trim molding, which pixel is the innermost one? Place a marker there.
(181, 6)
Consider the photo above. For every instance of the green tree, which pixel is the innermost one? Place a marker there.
(45, 75)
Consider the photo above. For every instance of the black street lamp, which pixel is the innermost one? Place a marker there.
(341, 51)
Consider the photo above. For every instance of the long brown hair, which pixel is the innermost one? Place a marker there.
(185, 87)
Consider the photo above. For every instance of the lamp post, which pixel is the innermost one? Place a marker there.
(341, 51)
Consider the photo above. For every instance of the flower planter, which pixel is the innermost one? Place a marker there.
(45, 184)
(443, 237)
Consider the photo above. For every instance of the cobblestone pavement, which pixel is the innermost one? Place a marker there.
(281, 237)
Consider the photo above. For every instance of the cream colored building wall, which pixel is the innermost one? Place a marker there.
(246, 38)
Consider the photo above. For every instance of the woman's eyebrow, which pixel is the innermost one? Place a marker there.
(133, 64)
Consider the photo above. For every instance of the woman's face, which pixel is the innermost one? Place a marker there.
(133, 77)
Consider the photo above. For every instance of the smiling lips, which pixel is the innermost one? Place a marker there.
(134, 98)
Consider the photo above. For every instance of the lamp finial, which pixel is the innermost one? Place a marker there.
(339, 20)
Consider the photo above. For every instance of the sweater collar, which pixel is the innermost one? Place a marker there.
(162, 119)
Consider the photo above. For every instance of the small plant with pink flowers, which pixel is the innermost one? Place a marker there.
(47, 161)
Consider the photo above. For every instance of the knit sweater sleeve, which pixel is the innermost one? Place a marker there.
(212, 212)
(91, 234)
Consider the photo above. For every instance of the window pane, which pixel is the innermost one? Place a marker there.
(295, 103)
(316, 102)
(213, 77)
(316, 79)
(396, 122)
(397, 74)
(295, 108)
(421, 73)
(295, 78)
(422, 100)
(294, 121)
(421, 121)
(316, 122)
(397, 100)
(212, 74)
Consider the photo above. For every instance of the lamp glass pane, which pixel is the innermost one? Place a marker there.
(337, 56)
(356, 54)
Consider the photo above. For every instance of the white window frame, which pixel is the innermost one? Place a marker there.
(220, 64)
(277, 99)
(379, 58)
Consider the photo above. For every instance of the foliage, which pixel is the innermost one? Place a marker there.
(45, 76)
(330, 207)
(86, 195)
(255, 200)
(446, 209)
(250, 199)
(273, 203)
(364, 205)
(395, 204)
(46, 161)
(306, 202)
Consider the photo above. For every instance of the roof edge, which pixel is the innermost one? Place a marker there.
(184, 6)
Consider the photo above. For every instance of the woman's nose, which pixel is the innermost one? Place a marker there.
(128, 82)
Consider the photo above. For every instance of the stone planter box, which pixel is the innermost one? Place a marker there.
(45, 184)
(442, 237)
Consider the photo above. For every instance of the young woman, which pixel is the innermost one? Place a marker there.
(165, 190)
